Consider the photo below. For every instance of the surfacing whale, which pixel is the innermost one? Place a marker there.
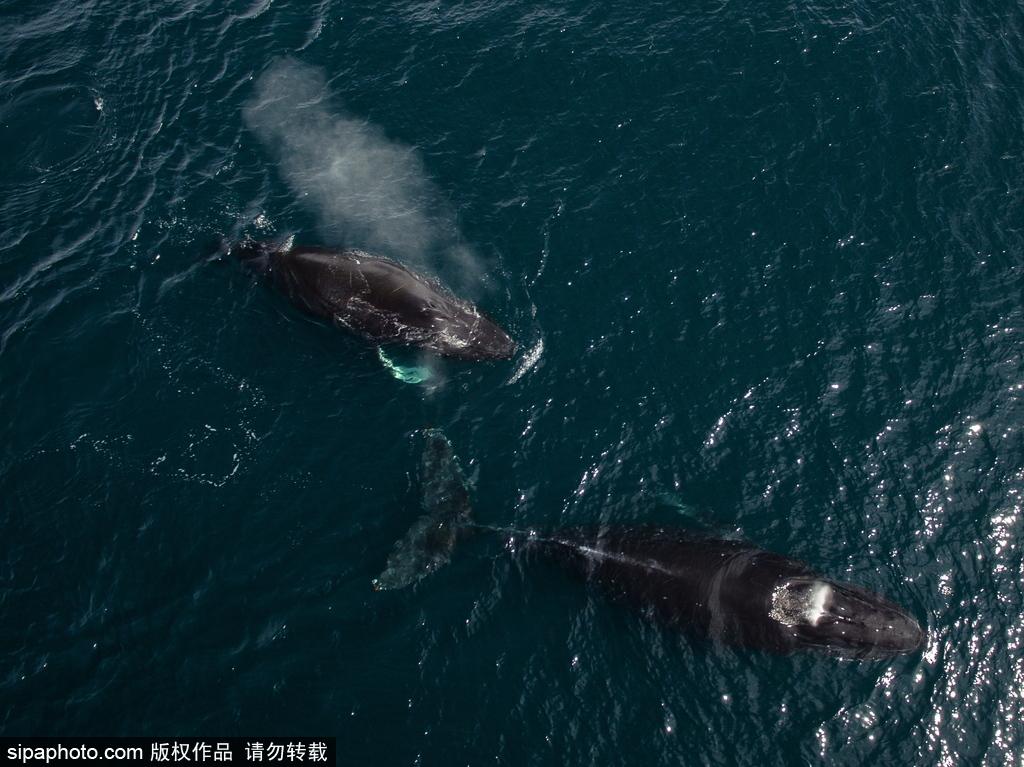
(728, 591)
(378, 299)
(733, 592)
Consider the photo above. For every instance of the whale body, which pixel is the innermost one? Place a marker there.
(731, 591)
(378, 299)
(728, 591)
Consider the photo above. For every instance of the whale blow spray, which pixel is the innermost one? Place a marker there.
(367, 191)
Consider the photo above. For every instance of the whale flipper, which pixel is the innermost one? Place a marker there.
(411, 374)
(430, 541)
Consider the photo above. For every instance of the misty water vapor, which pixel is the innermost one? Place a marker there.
(367, 191)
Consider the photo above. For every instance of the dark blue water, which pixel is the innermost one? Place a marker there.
(765, 263)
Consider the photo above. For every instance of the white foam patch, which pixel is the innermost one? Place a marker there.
(528, 362)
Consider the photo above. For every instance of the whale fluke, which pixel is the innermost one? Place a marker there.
(430, 541)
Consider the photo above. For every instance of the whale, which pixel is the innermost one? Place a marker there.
(377, 299)
(726, 591)
(732, 592)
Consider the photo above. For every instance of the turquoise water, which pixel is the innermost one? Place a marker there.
(765, 262)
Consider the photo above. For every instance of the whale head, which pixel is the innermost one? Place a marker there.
(842, 619)
(464, 332)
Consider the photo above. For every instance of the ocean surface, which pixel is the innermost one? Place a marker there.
(765, 263)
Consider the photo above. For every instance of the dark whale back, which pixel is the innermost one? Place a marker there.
(336, 285)
(379, 299)
(720, 587)
(733, 592)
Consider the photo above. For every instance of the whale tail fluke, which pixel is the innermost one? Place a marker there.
(430, 541)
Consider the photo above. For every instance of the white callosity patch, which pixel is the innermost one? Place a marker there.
(800, 603)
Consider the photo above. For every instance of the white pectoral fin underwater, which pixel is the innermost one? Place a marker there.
(410, 374)
(728, 591)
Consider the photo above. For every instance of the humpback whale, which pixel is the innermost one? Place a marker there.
(728, 591)
(378, 299)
